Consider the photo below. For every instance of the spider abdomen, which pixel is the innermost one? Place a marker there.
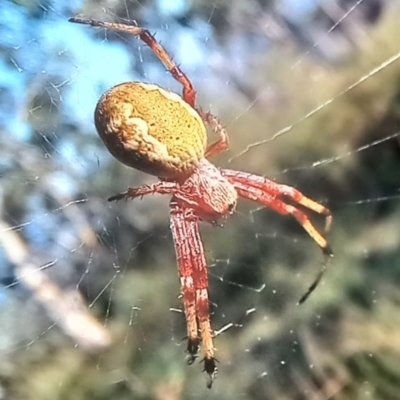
(151, 129)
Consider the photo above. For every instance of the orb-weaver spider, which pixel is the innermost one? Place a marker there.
(163, 134)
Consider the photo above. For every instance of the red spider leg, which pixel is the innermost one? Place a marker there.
(179, 228)
(183, 251)
(277, 190)
(256, 194)
(188, 92)
(161, 187)
(247, 190)
(187, 239)
(223, 141)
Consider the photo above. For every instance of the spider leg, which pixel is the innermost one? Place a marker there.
(194, 280)
(258, 195)
(185, 265)
(223, 138)
(188, 92)
(269, 200)
(276, 190)
(161, 187)
(312, 287)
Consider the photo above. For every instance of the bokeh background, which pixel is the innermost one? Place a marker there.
(89, 304)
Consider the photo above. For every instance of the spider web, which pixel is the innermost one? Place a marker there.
(90, 302)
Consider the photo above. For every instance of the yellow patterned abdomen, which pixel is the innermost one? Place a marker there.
(151, 129)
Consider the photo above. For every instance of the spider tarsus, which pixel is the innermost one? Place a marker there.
(117, 197)
(87, 21)
(211, 369)
(328, 253)
(306, 295)
(79, 20)
(210, 382)
(192, 349)
(327, 250)
(131, 193)
(317, 280)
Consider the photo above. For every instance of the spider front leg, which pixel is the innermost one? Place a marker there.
(267, 192)
(188, 92)
(161, 187)
(194, 281)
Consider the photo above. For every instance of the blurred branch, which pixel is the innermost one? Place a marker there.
(65, 307)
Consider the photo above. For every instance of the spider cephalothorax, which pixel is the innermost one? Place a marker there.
(158, 132)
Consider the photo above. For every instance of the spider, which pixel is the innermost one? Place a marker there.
(163, 134)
